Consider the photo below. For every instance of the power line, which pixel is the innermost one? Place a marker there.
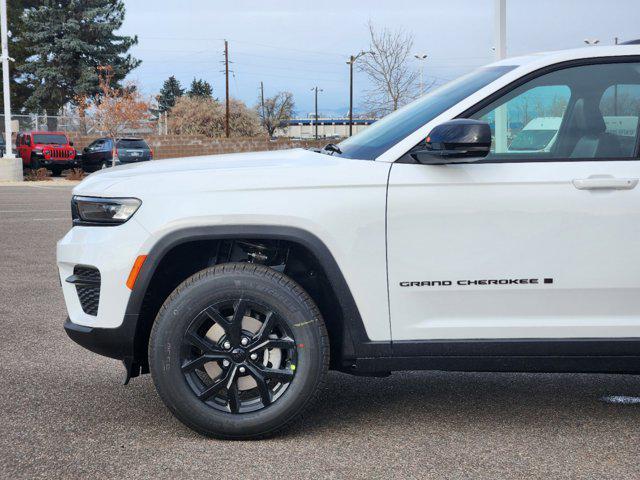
(264, 45)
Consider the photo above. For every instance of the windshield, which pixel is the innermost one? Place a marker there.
(532, 139)
(385, 133)
(50, 138)
(132, 143)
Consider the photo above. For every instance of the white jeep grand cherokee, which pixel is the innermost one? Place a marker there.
(424, 242)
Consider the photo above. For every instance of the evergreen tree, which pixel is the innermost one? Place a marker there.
(20, 91)
(171, 90)
(200, 88)
(67, 40)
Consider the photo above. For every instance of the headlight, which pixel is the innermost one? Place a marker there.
(102, 211)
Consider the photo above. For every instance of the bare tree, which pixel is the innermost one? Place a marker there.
(523, 107)
(276, 111)
(115, 110)
(394, 82)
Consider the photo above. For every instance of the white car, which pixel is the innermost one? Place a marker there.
(538, 135)
(239, 280)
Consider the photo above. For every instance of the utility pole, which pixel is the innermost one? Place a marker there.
(500, 46)
(315, 120)
(350, 62)
(10, 166)
(264, 119)
(226, 81)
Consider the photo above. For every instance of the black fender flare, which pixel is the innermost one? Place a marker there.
(356, 343)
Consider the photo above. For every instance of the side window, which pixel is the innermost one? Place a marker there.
(528, 122)
(583, 112)
(96, 145)
(27, 140)
(620, 107)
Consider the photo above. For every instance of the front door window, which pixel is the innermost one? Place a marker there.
(584, 112)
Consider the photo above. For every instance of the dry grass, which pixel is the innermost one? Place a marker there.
(39, 175)
(74, 174)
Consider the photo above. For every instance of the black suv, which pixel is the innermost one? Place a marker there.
(99, 153)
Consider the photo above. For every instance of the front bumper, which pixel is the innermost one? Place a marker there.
(58, 163)
(111, 342)
(118, 343)
(111, 250)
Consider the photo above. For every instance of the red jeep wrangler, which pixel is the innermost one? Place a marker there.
(51, 150)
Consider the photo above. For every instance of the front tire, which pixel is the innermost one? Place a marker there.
(238, 351)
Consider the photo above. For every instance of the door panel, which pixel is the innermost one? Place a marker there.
(470, 247)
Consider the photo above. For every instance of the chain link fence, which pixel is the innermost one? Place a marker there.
(73, 124)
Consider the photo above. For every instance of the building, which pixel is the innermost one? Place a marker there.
(327, 127)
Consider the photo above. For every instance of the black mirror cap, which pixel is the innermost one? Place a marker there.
(457, 141)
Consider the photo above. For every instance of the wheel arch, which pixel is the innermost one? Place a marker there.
(347, 333)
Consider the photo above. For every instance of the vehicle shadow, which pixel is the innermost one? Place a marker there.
(434, 403)
(450, 399)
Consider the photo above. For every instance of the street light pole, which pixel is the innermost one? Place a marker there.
(350, 62)
(10, 166)
(315, 120)
(615, 89)
(500, 45)
(421, 57)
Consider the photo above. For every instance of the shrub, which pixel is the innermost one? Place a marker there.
(74, 174)
(39, 175)
(205, 116)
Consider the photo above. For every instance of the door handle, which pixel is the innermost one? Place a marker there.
(605, 183)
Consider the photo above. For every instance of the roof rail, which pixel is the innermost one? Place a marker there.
(631, 42)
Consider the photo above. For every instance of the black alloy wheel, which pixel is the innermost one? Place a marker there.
(238, 356)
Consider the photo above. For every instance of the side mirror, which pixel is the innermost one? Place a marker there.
(456, 141)
(71, 144)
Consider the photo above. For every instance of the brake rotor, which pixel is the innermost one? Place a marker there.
(271, 356)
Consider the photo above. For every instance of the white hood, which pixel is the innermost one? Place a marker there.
(257, 170)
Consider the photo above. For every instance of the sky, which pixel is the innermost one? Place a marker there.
(297, 45)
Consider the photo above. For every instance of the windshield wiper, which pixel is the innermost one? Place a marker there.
(332, 147)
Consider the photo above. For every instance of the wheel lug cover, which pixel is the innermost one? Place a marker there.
(225, 363)
(244, 341)
(242, 369)
(254, 356)
(226, 345)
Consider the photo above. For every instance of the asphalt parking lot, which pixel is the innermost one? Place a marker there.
(65, 414)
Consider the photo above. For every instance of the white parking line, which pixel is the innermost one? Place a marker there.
(31, 211)
(22, 220)
(621, 400)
